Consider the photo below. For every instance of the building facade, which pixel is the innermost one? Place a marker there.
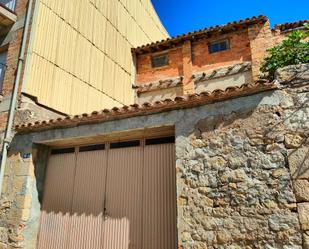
(227, 169)
(78, 54)
(210, 156)
(205, 60)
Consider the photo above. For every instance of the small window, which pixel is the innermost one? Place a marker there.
(126, 144)
(161, 140)
(62, 151)
(159, 60)
(218, 46)
(92, 148)
(3, 67)
(11, 4)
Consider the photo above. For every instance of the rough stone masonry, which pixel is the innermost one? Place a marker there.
(245, 175)
(242, 170)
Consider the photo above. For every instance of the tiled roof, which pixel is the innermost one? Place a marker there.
(222, 72)
(158, 85)
(231, 26)
(147, 108)
(290, 25)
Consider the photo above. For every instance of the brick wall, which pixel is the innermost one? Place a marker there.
(201, 59)
(260, 37)
(239, 51)
(13, 50)
(146, 73)
(14, 35)
(16, 202)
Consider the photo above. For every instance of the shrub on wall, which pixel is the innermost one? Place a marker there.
(291, 51)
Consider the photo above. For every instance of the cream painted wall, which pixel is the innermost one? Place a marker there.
(79, 57)
(224, 82)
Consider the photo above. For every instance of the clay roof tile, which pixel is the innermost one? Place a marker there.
(195, 34)
(158, 106)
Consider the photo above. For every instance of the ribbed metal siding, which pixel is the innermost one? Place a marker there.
(159, 197)
(72, 215)
(139, 196)
(123, 227)
(90, 182)
(59, 174)
(57, 201)
(86, 224)
(82, 52)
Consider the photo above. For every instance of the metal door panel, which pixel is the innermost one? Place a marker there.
(89, 187)
(59, 183)
(159, 197)
(124, 199)
(121, 198)
(57, 201)
(85, 230)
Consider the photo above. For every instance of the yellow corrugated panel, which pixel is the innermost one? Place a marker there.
(33, 71)
(128, 95)
(80, 51)
(76, 12)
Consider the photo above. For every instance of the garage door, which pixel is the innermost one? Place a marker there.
(115, 195)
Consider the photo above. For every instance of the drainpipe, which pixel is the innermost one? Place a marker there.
(8, 133)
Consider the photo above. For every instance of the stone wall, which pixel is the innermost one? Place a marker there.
(244, 176)
(17, 203)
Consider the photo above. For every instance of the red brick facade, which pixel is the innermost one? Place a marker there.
(146, 73)
(13, 50)
(189, 54)
(239, 51)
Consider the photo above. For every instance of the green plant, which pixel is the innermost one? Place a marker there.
(291, 51)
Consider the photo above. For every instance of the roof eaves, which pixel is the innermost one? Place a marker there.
(147, 108)
(231, 26)
(290, 25)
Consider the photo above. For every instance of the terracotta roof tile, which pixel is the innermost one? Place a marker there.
(147, 108)
(161, 84)
(231, 26)
(222, 72)
(290, 25)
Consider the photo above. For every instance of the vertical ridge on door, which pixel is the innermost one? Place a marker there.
(123, 226)
(88, 198)
(159, 197)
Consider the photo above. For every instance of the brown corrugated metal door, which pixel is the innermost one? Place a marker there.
(56, 206)
(72, 210)
(88, 200)
(123, 197)
(123, 224)
(159, 197)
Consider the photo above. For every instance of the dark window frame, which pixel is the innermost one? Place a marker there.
(158, 64)
(3, 65)
(219, 48)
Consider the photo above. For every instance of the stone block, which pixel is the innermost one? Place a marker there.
(19, 183)
(301, 190)
(306, 241)
(292, 141)
(303, 212)
(23, 201)
(3, 246)
(299, 163)
(25, 214)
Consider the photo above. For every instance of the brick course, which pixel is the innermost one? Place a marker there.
(192, 57)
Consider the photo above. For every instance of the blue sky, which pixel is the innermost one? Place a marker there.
(182, 16)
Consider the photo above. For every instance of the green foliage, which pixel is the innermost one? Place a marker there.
(293, 50)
